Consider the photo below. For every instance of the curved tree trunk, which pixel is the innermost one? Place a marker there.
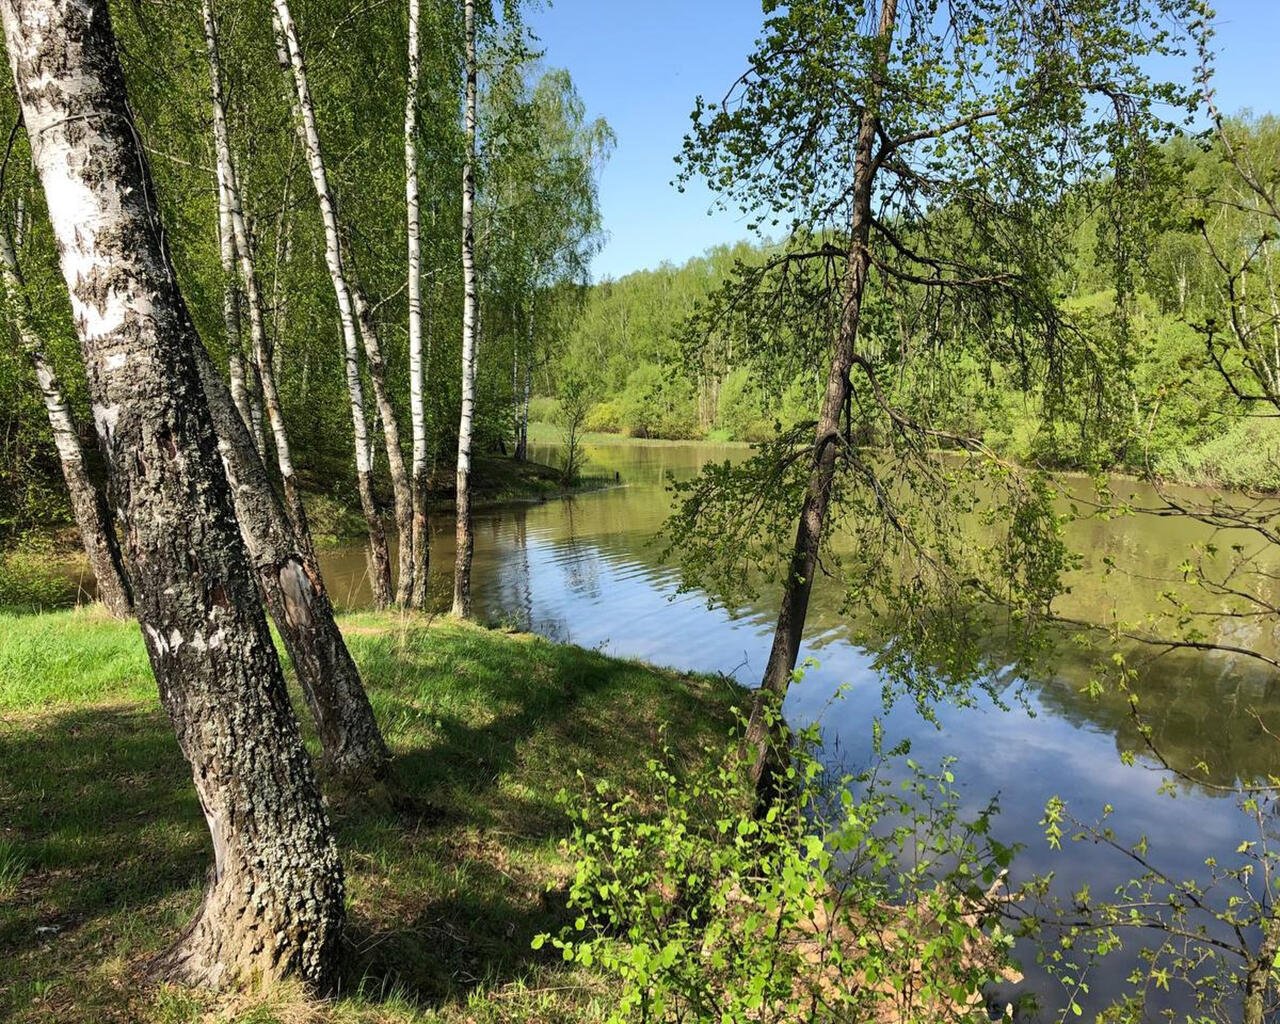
(759, 743)
(421, 539)
(274, 903)
(88, 504)
(242, 252)
(391, 436)
(290, 54)
(294, 594)
(465, 535)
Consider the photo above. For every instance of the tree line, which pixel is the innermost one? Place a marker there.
(639, 349)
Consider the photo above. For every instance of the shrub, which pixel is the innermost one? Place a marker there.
(28, 580)
(544, 409)
(604, 418)
(852, 902)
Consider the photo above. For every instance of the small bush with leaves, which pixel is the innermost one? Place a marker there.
(861, 899)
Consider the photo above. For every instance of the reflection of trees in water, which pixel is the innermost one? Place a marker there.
(579, 562)
(1210, 717)
(514, 591)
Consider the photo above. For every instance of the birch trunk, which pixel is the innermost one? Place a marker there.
(417, 405)
(391, 436)
(242, 252)
(294, 594)
(290, 53)
(231, 306)
(464, 534)
(767, 709)
(88, 504)
(522, 397)
(274, 902)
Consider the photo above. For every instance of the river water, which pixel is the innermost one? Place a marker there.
(587, 571)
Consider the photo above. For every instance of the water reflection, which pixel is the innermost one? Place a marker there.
(587, 570)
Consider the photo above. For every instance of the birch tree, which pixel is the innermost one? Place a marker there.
(237, 250)
(400, 485)
(274, 904)
(464, 535)
(919, 151)
(295, 597)
(421, 532)
(88, 503)
(292, 61)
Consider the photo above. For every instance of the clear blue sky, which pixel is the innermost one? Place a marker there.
(640, 65)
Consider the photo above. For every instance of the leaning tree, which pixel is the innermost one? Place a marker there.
(920, 157)
(273, 906)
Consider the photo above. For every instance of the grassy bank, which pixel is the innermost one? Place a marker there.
(496, 480)
(549, 433)
(103, 847)
(46, 568)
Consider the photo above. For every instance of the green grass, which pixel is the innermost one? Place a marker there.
(103, 848)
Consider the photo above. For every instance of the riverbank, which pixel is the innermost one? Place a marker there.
(1244, 458)
(46, 569)
(103, 848)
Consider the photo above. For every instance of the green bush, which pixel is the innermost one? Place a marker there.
(544, 409)
(839, 903)
(1246, 455)
(604, 418)
(28, 580)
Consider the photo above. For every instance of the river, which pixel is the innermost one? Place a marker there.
(587, 571)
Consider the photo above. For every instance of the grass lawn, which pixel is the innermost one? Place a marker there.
(103, 847)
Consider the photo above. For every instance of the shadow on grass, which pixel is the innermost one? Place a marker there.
(448, 877)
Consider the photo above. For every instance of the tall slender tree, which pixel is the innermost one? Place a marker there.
(906, 143)
(464, 534)
(274, 904)
(293, 63)
(421, 534)
(233, 226)
(88, 503)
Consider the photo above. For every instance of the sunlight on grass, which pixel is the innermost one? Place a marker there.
(451, 871)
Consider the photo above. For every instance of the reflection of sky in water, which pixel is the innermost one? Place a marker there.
(586, 571)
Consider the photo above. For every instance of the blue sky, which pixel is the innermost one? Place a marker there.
(640, 65)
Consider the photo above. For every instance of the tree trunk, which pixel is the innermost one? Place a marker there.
(421, 538)
(296, 599)
(242, 252)
(290, 54)
(231, 306)
(760, 743)
(465, 536)
(522, 422)
(391, 436)
(274, 903)
(88, 504)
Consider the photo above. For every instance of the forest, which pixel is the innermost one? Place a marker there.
(870, 617)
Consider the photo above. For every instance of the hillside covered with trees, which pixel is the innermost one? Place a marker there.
(661, 359)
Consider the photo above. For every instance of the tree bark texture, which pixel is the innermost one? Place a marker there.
(273, 906)
(464, 533)
(290, 53)
(400, 486)
(760, 740)
(88, 503)
(354, 750)
(421, 539)
(242, 255)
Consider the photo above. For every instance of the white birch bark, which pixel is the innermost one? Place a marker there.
(470, 326)
(290, 51)
(417, 384)
(242, 253)
(391, 436)
(274, 903)
(88, 504)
